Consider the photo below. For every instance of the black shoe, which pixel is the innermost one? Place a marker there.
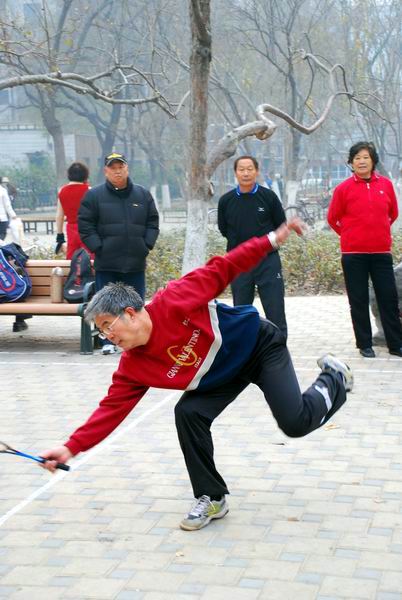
(20, 326)
(397, 352)
(367, 352)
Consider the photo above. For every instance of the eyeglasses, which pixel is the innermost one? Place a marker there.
(104, 333)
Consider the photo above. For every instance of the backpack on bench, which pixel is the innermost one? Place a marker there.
(15, 283)
(80, 275)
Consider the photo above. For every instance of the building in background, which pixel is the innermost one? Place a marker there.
(19, 142)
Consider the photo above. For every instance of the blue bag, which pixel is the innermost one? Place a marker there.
(15, 283)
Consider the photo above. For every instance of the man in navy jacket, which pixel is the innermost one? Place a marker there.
(252, 210)
(119, 222)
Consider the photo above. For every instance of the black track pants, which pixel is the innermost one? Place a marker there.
(270, 367)
(267, 277)
(357, 268)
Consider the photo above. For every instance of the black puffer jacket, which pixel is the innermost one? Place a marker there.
(119, 226)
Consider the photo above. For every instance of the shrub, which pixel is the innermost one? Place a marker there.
(35, 183)
(311, 265)
(164, 262)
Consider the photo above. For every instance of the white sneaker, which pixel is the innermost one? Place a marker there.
(329, 362)
(203, 511)
(109, 349)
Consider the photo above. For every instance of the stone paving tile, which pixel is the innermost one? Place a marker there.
(283, 590)
(163, 582)
(30, 593)
(348, 587)
(96, 588)
(312, 518)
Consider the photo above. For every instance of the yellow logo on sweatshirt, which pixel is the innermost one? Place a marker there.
(185, 358)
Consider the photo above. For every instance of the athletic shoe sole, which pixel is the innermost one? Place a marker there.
(219, 515)
(329, 361)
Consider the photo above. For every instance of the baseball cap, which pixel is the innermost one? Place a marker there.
(115, 156)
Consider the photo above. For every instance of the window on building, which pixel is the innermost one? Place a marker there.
(4, 97)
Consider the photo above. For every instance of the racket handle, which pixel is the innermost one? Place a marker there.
(63, 467)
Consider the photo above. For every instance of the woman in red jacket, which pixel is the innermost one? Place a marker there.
(68, 203)
(361, 212)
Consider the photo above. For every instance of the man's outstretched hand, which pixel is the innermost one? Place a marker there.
(59, 454)
(295, 224)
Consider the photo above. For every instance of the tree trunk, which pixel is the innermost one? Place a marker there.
(55, 130)
(292, 167)
(110, 138)
(59, 153)
(197, 206)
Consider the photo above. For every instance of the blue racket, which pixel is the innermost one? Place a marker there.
(6, 449)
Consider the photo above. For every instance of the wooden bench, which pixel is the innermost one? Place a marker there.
(40, 303)
(30, 224)
(174, 216)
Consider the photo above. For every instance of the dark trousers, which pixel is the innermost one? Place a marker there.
(267, 277)
(3, 229)
(270, 367)
(357, 269)
(136, 280)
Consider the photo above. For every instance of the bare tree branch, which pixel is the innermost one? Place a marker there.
(227, 146)
(265, 128)
(88, 87)
(273, 110)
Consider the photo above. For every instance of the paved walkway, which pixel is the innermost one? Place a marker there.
(314, 518)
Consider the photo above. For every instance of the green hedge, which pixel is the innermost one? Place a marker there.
(311, 265)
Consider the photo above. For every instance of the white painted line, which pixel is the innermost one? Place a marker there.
(346, 358)
(375, 371)
(56, 364)
(86, 457)
(105, 363)
(49, 353)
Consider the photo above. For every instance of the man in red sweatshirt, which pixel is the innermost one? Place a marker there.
(184, 339)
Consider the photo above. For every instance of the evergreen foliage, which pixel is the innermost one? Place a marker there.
(311, 265)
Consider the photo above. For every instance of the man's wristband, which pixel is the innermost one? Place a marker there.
(272, 240)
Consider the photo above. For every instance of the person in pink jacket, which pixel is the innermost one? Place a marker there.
(361, 212)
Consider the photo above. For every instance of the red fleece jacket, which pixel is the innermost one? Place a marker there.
(362, 212)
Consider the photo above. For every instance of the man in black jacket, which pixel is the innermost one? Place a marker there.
(251, 210)
(119, 222)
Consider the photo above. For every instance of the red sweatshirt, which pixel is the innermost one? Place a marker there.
(362, 213)
(196, 342)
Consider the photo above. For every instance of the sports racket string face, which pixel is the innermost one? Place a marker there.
(6, 449)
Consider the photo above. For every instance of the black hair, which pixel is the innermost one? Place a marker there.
(77, 171)
(369, 146)
(252, 158)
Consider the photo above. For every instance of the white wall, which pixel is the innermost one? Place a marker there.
(16, 143)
